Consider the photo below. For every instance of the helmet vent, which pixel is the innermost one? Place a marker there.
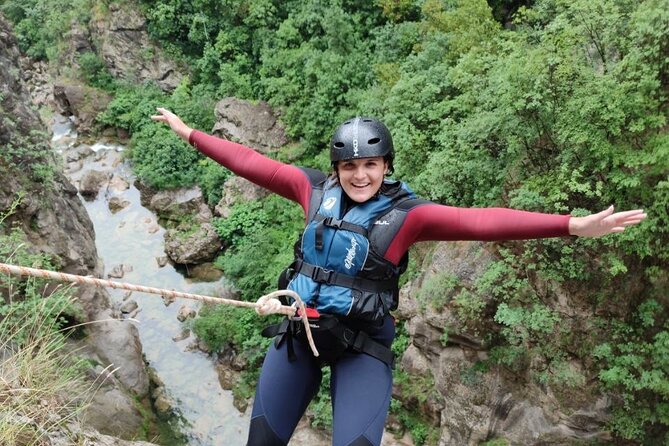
(366, 120)
(374, 141)
(339, 145)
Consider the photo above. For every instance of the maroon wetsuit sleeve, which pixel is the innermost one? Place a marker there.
(437, 222)
(286, 180)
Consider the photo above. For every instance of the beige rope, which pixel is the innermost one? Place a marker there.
(64, 277)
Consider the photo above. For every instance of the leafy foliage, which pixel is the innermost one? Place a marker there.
(562, 109)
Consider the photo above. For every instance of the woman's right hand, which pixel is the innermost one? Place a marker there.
(175, 123)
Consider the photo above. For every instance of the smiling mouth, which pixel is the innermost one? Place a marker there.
(360, 186)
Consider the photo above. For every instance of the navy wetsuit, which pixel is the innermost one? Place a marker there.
(361, 385)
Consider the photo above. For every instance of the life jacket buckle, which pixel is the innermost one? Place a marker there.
(333, 222)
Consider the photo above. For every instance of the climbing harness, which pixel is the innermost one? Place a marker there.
(332, 337)
(289, 311)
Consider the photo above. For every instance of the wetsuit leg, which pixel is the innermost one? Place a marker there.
(283, 393)
(361, 389)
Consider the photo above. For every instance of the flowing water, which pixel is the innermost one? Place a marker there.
(132, 237)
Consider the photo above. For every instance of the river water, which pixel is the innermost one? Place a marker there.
(132, 237)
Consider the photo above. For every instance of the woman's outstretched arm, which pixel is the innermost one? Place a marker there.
(286, 180)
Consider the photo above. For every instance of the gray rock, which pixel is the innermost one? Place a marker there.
(177, 204)
(83, 102)
(117, 204)
(199, 247)
(91, 183)
(238, 190)
(117, 343)
(253, 125)
(126, 420)
(127, 51)
(185, 312)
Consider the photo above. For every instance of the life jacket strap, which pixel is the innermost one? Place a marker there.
(330, 277)
(336, 223)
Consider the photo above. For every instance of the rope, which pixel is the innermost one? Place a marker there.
(289, 311)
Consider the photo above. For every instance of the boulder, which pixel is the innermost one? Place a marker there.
(199, 247)
(117, 343)
(238, 190)
(179, 204)
(253, 125)
(81, 101)
(91, 183)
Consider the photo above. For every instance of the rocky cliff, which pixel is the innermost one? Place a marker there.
(55, 223)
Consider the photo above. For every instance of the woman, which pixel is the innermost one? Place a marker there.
(348, 262)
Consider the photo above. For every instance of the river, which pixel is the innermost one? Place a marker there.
(132, 237)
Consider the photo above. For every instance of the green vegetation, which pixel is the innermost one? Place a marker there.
(43, 385)
(549, 105)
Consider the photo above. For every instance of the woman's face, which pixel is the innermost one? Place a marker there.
(361, 178)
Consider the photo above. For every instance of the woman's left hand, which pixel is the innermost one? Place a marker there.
(605, 222)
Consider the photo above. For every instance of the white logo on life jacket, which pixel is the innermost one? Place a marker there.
(382, 222)
(350, 254)
(329, 203)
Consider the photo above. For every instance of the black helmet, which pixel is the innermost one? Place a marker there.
(361, 138)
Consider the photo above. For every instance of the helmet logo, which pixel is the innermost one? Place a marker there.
(329, 203)
(355, 137)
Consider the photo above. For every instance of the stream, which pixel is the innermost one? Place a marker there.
(133, 238)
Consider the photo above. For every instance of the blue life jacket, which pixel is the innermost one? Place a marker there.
(339, 267)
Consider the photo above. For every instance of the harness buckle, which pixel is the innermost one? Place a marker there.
(360, 341)
(321, 275)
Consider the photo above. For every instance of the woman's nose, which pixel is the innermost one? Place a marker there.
(359, 172)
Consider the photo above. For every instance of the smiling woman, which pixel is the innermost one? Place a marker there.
(361, 178)
(349, 258)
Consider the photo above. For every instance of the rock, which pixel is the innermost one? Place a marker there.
(168, 300)
(78, 153)
(162, 261)
(177, 204)
(185, 312)
(117, 204)
(83, 102)
(205, 272)
(116, 272)
(117, 342)
(238, 190)
(253, 125)
(92, 182)
(129, 306)
(199, 247)
(125, 423)
(118, 184)
(127, 51)
(56, 224)
(162, 402)
(65, 435)
(185, 334)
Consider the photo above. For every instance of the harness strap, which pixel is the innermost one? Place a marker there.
(336, 223)
(281, 331)
(329, 277)
(358, 341)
